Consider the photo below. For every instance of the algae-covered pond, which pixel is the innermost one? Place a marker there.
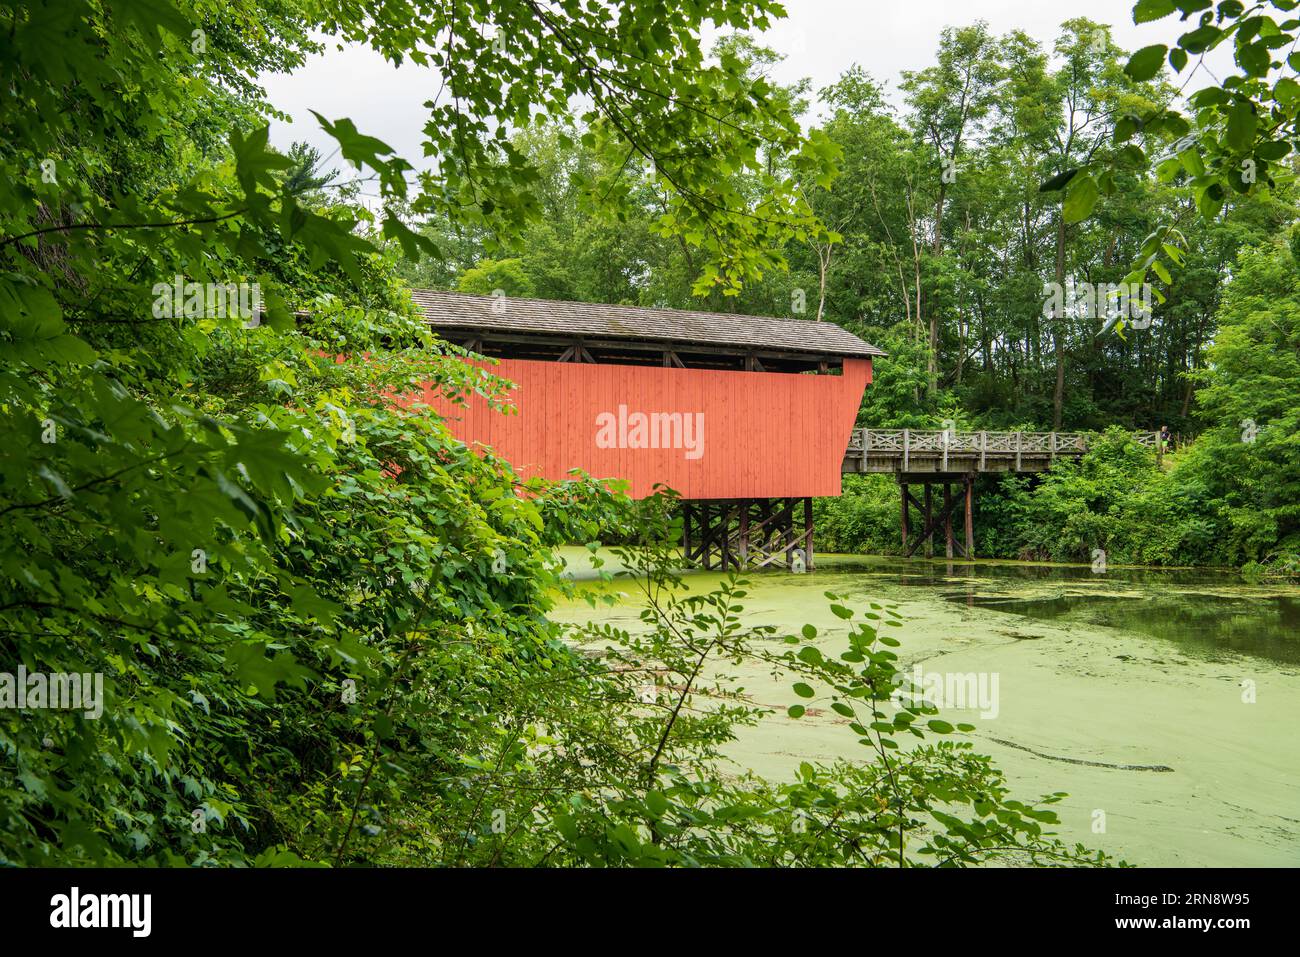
(1165, 702)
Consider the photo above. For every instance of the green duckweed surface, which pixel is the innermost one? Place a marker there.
(1130, 690)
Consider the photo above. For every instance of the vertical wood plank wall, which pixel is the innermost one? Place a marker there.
(766, 434)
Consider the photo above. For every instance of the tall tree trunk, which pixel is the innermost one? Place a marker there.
(823, 266)
(930, 368)
(1058, 327)
(937, 245)
(1194, 361)
(936, 249)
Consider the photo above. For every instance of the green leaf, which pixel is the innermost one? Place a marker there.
(1273, 150)
(1255, 58)
(803, 690)
(412, 243)
(1201, 39)
(1240, 133)
(1125, 127)
(356, 147)
(1058, 182)
(1147, 11)
(810, 655)
(1146, 63)
(152, 17)
(255, 160)
(1210, 201)
(1192, 162)
(1286, 90)
(1080, 199)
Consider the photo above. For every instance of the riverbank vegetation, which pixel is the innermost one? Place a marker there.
(1227, 498)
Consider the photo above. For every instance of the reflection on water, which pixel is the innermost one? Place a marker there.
(919, 572)
(1207, 613)
(1202, 625)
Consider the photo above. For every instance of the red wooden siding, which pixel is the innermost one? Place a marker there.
(766, 434)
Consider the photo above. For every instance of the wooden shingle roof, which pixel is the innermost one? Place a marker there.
(453, 310)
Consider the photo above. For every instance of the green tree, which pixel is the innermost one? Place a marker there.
(1249, 457)
(490, 275)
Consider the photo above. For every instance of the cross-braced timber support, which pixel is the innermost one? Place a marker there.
(958, 495)
(733, 534)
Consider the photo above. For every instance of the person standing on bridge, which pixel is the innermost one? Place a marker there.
(1165, 439)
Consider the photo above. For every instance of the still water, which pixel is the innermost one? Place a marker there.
(1165, 702)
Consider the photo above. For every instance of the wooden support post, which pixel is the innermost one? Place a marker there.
(718, 523)
(906, 448)
(706, 535)
(732, 552)
(970, 521)
(1053, 446)
(707, 543)
(702, 534)
(743, 544)
(928, 532)
(686, 532)
(808, 531)
(984, 447)
(714, 555)
(902, 506)
(1019, 437)
(724, 537)
(791, 541)
(720, 534)
(947, 519)
(724, 525)
(932, 524)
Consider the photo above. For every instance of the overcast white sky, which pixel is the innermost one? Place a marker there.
(821, 39)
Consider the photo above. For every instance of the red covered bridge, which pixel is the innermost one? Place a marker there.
(746, 417)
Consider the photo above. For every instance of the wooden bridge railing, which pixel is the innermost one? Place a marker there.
(947, 461)
(896, 450)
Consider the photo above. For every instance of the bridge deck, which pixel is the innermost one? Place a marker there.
(918, 453)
